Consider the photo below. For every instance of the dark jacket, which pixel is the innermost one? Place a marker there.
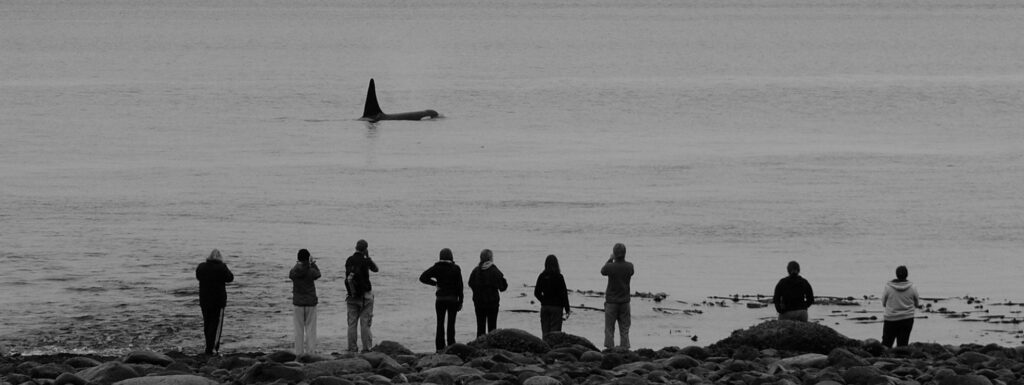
(550, 290)
(303, 287)
(357, 274)
(486, 281)
(447, 276)
(793, 293)
(212, 276)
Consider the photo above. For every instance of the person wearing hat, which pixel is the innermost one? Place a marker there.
(447, 277)
(360, 296)
(899, 300)
(793, 295)
(303, 276)
(486, 280)
(213, 297)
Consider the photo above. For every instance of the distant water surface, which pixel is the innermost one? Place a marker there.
(717, 139)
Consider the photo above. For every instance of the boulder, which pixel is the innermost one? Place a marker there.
(50, 371)
(682, 361)
(973, 358)
(843, 358)
(513, 340)
(966, 379)
(147, 357)
(330, 380)
(863, 375)
(336, 367)
(108, 373)
(809, 360)
(436, 360)
(592, 356)
(465, 352)
(448, 374)
(69, 379)
(181, 379)
(392, 348)
(542, 380)
(270, 372)
(281, 356)
(787, 335)
(80, 362)
(560, 339)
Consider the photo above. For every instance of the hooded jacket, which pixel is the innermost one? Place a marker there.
(213, 275)
(899, 299)
(447, 276)
(303, 276)
(550, 290)
(486, 281)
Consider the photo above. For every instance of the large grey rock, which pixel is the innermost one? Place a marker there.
(80, 362)
(181, 379)
(392, 348)
(966, 379)
(50, 371)
(843, 358)
(558, 339)
(436, 360)
(797, 336)
(542, 380)
(454, 371)
(330, 380)
(809, 360)
(337, 367)
(108, 373)
(270, 372)
(147, 357)
(69, 379)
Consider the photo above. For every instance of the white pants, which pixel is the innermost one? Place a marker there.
(305, 329)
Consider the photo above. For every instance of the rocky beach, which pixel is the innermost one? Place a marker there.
(773, 352)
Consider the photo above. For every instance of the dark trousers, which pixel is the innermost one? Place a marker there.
(213, 320)
(486, 319)
(898, 331)
(550, 319)
(445, 308)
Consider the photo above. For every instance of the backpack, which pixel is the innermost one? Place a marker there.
(357, 276)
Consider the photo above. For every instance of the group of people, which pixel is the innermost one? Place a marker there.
(793, 296)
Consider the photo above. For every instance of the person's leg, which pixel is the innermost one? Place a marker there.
(208, 331)
(481, 319)
(888, 333)
(556, 319)
(492, 319)
(625, 319)
(300, 328)
(219, 330)
(311, 330)
(903, 334)
(440, 309)
(610, 315)
(452, 311)
(545, 320)
(352, 316)
(365, 321)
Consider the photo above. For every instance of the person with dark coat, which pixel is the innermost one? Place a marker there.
(360, 296)
(793, 295)
(486, 280)
(213, 297)
(550, 290)
(447, 277)
(303, 276)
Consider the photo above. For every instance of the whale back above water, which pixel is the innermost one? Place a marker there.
(373, 113)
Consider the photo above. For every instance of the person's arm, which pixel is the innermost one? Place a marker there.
(199, 275)
(297, 271)
(371, 264)
(564, 293)
(538, 292)
(502, 283)
(777, 297)
(315, 270)
(810, 295)
(916, 298)
(428, 277)
(474, 280)
(458, 285)
(228, 277)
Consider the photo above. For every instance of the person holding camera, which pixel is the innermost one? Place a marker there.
(303, 275)
(213, 297)
(360, 296)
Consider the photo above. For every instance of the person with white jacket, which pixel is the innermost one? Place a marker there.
(899, 300)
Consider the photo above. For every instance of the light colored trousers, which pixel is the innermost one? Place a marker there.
(305, 329)
(616, 312)
(360, 317)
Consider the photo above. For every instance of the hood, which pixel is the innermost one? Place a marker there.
(900, 285)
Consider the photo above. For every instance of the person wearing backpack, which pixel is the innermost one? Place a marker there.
(360, 296)
(486, 280)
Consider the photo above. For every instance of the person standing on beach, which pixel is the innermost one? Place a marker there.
(616, 297)
(899, 300)
(303, 275)
(360, 297)
(550, 290)
(793, 295)
(447, 277)
(486, 280)
(213, 297)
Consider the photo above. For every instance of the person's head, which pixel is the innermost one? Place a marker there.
(303, 255)
(446, 254)
(619, 251)
(793, 268)
(486, 256)
(901, 273)
(361, 246)
(215, 256)
(551, 264)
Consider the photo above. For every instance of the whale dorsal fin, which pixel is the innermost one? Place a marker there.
(372, 109)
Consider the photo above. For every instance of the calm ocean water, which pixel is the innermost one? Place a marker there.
(716, 139)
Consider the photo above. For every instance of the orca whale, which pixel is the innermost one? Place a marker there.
(372, 112)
